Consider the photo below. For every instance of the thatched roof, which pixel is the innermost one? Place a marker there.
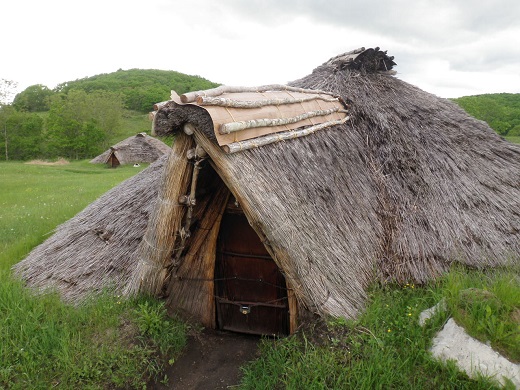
(408, 185)
(95, 249)
(140, 148)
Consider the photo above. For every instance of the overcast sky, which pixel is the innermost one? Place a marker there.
(450, 48)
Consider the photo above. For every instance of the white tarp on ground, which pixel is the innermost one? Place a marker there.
(471, 356)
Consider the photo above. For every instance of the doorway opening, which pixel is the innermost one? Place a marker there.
(250, 290)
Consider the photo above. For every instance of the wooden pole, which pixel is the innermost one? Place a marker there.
(155, 250)
(276, 137)
(191, 97)
(223, 102)
(160, 105)
(185, 231)
(232, 127)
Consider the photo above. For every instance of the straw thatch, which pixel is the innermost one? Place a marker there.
(406, 186)
(140, 148)
(96, 249)
(409, 185)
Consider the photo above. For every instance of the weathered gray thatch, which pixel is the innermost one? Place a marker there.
(447, 185)
(407, 186)
(140, 148)
(95, 249)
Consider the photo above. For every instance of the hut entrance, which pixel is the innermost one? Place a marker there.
(112, 161)
(250, 290)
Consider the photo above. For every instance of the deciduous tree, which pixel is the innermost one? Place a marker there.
(80, 122)
(25, 134)
(35, 98)
(7, 88)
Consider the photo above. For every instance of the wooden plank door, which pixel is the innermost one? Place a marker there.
(250, 290)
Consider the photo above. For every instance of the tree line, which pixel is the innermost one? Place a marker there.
(75, 119)
(500, 110)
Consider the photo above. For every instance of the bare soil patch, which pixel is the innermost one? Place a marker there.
(60, 161)
(211, 361)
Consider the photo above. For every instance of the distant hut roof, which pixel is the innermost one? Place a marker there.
(140, 148)
(403, 187)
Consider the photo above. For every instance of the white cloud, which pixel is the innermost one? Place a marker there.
(445, 47)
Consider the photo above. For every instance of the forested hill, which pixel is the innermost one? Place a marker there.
(82, 118)
(140, 88)
(500, 110)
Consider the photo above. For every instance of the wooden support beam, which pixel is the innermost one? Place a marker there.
(189, 128)
(191, 97)
(276, 137)
(227, 128)
(223, 102)
(154, 251)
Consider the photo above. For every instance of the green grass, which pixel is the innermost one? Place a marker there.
(34, 199)
(487, 305)
(384, 348)
(106, 342)
(113, 343)
(133, 122)
(97, 345)
(513, 139)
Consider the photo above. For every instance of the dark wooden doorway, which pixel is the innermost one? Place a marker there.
(250, 290)
(112, 161)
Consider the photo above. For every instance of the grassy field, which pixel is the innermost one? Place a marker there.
(113, 343)
(515, 140)
(104, 343)
(386, 348)
(34, 199)
(133, 123)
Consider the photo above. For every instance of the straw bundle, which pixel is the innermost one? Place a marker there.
(154, 252)
(316, 237)
(448, 186)
(191, 289)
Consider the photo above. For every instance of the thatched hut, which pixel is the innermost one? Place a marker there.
(284, 200)
(140, 148)
(95, 250)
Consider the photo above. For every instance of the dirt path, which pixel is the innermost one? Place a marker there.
(211, 361)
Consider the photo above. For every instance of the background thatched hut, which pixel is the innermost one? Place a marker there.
(398, 187)
(140, 148)
(95, 249)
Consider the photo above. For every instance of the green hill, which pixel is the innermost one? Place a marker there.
(81, 118)
(141, 88)
(500, 110)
